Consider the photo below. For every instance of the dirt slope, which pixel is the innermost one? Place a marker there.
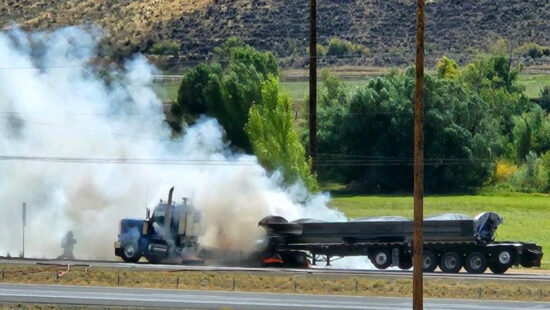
(385, 26)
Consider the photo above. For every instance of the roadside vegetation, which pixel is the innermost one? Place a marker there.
(280, 282)
(483, 131)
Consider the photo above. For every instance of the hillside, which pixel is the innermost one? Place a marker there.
(386, 27)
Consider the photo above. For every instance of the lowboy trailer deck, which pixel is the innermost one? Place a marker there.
(451, 242)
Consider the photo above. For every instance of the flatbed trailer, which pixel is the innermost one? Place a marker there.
(450, 243)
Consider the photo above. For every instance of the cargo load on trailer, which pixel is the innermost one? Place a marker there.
(451, 241)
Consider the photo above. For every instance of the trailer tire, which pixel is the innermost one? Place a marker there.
(501, 261)
(405, 262)
(296, 259)
(381, 258)
(476, 262)
(429, 261)
(498, 269)
(130, 252)
(451, 262)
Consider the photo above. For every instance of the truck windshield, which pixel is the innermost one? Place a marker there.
(158, 217)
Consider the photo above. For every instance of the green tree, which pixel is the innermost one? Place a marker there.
(496, 81)
(494, 72)
(531, 132)
(230, 98)
(522, 138)
(274, 138)
(544, 99)
(371, 136)
(192, 98)
(225, 90)
(333, 89)
(447, 68)
(234, 50)
(545, 161)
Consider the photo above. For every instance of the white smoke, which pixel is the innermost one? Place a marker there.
(52, 104)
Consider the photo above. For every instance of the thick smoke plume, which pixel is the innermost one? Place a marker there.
(54, 105)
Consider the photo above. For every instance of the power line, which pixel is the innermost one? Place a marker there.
(226, 162)
(98, 132)
(129, 161)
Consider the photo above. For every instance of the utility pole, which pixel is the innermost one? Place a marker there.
(313, 82)
(418, 286)
(24, 221)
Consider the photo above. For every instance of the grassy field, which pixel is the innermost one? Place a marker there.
(167, 91)
(534, 83)
(526, 217)
(298, 90)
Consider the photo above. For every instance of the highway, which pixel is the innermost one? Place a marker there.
(512, 275)
(132, 297)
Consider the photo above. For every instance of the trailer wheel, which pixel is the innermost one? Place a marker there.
(451, 262)
(501, 261)
(476, 262)
(429, 261)
(381, 258)
(498, 269)
(296, 259)
(405, 262)
(130, 253)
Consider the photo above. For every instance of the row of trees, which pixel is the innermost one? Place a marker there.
(476, 117)
(480, 127)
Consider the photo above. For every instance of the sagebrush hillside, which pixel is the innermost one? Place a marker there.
(386, 27)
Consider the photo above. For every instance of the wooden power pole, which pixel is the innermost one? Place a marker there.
(418, 289)
(313, 82)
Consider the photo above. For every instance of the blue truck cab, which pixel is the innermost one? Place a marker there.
(171, 233)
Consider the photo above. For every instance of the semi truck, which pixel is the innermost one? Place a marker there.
(169, 235)
(451, 241)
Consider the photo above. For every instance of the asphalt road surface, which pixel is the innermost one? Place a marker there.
(132, 297)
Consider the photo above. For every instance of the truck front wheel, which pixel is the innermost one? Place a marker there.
(130, 253)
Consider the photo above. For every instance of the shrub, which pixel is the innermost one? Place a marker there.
(544, 99)
(532, 50)
(504, 170)
(338, 47)
(532, 176)
(165, 48)
(545, 161)
(447, 68)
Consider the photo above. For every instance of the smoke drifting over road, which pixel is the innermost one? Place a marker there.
(53, 104)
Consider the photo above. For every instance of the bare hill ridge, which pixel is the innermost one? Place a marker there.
(385, 26)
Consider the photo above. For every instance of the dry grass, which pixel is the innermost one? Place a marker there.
(277, 282)
(126, 23)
